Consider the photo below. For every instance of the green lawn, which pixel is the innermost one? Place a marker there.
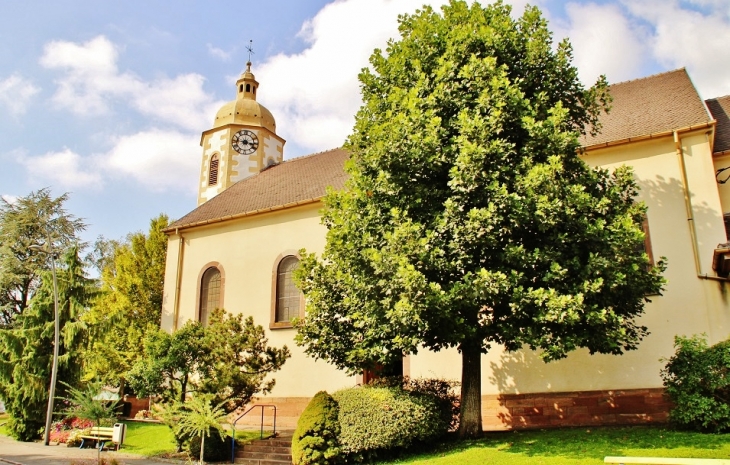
(578, 446)
(148, 439)
(3, 419)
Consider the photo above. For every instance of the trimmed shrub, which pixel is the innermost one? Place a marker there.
(216, 448)
(442, 390)
(374, 419)
(697, 380)
(315, 439)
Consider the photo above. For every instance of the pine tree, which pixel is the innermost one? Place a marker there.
(26, 349)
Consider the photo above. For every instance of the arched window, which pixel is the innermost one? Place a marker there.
(210, 293)
(213, 172)
(288, 297)
(248, 87)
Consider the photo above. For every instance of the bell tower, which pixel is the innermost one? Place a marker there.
(242, 142)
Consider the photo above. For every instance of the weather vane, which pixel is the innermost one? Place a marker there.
(249, 47)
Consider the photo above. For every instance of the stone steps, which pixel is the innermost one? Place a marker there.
(272, 451)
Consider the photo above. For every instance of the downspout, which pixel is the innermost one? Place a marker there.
(690, 214)
(178, 279)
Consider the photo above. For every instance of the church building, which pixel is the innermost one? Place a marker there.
(255, 211)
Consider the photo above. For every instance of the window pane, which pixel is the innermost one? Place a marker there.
(210, 293)
(287, 294)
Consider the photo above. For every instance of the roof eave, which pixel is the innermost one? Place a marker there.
(655, 135)
(174, 229)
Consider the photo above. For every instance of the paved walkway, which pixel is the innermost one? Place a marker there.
(35, 453)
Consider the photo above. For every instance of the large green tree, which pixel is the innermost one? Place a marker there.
(31, 220)
(26, 349)
(469, 218)
(129, 304)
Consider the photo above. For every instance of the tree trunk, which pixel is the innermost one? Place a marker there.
(183, 388)
(470, 418)
(202, 447)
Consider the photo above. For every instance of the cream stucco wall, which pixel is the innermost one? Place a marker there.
(689, 305)
(246, 251)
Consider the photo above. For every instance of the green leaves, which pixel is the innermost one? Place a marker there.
(229, 359)
(32, 220)
(469, 218)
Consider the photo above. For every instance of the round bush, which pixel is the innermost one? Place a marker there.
(216, 449)
(697, 380)
(383, 418)
(315, 439)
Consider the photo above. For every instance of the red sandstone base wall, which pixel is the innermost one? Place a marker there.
(517, 411)
(587, 408)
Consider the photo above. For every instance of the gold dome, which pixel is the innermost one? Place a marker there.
(245, 109)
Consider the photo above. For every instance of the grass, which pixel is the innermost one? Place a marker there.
(155, 439)
(575, 446)
(148, 439)
(4, 417)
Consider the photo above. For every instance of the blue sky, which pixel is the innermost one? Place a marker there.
(107, 100)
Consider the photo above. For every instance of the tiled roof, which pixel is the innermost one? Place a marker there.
(720, 109)
(650, 105)
(296, 181)
(642, 107)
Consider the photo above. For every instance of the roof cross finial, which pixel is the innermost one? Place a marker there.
(249, 47)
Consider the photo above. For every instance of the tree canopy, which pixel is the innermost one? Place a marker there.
(26, 349)
(229, 359)
(469, 218)
(32, 220)
(129, 303)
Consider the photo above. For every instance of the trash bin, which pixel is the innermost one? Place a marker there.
(120, 430)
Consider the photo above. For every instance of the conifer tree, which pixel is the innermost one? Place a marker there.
(26, 349)
(31, 220)
(129, 304)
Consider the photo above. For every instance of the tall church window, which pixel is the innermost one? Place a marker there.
(213, 172)
(288, 297)
(210, 294)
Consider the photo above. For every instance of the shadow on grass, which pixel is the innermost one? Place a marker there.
(584, 443)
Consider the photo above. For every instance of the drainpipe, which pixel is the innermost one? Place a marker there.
(178, 279)
(690, 214)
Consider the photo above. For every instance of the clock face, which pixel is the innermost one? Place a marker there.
(245, 142)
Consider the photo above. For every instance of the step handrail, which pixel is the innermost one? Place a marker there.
(263, 406)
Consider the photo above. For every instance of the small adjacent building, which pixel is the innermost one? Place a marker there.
(237, 249)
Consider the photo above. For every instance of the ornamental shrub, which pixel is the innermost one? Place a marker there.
(442, 390)
(697, 380)
(217, 449)
(315, 440)
(377, 419)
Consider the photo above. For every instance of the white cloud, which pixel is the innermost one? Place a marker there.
(686, 37)
(11, 199)
(604, 41)
(65, 168)
(91, 83)
(15, 94)
(157, 159)
(218, 53)
(315, 94)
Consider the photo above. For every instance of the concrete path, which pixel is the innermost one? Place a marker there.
(35, 453)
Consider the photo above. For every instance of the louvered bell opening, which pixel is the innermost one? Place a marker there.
(213, 174)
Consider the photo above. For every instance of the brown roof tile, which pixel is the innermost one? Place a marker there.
(298, 180)
(641, 107)
(654, 104)
(720, 109)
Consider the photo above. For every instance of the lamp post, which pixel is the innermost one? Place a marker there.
(47, 248)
